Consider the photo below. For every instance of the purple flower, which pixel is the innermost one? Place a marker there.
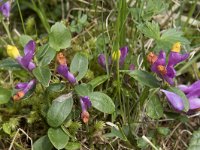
(85, 104)
(102, 60)
(23, 88)
(167, 71)
(63, 71)
(5, 8)
(123, 54)
(164, 71)
(192, 93)
(25, 61)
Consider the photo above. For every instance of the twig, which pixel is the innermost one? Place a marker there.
(11, 145)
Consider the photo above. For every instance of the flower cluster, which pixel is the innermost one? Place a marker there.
(5, 8)
(192, 92)
(166, 70)
(85, 104)
(63, 70)
(27, 63)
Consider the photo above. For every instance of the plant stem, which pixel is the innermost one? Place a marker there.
(7, 31)
(20, 13)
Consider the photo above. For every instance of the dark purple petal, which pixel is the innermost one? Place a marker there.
(102, 60)
(194, 103)
(132, 67)
(124, 52)
(168, 79)
(30, 47)
(160, 61)
(171, 72)
(85, 103)
(5, 9)
(175, 58)
(194, 94)
(188, 89)
(71, 78)
(30, 85)
(63, 70)
(175, 100)
(21, 85)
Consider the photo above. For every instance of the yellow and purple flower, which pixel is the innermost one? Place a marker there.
(5, 8)
(63, 70)
(192, 92)
(25, 61)
(23, 87)
(119, 54)
(167, 71)
(85, 104)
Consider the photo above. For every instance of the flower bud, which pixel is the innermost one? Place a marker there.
(176, 47)
(12, 51)
(85, 116)
(151, 57)
(116, 55)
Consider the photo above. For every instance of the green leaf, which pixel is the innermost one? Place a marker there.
(59, 37)
(43, 143)
(154, 108)
(43, 75)
(98, 80)
(24, 39)
(58, 137)
(9, 64)
(59, 110)
(83, 89)
(56, 87)
(7, 128)
(150, 30)
(144, 78)
(163, 131)
(5, 95)
(73, 146)
(195, 142)
(102, 102)
(79, 65)
(45, 54)
(169, 37)
(182, 95)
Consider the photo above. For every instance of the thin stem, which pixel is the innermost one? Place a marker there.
(20, 13)
(7, 31)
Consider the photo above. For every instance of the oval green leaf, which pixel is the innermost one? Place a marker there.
(154, 108)
(9, 64)
(45, 54)
(59, 110)
(195, 142)
(98, 80)
(43, 75)
(43, 143)
(58, 137)
(144, 78)
(79, 65)
(83, 89)
(102, 102)
(59, 37)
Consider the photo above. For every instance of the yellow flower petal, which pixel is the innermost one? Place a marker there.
(12, 51)
(176, 47)
(116, 55)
